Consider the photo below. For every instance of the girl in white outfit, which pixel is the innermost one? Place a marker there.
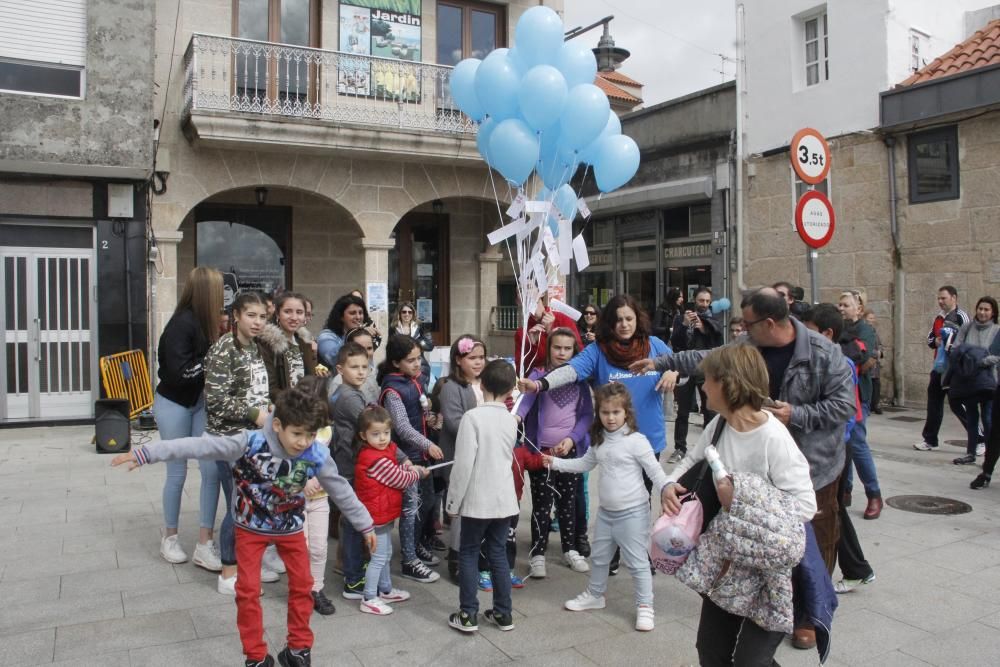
(623, 512)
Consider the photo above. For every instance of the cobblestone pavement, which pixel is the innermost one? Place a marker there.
(81, 581)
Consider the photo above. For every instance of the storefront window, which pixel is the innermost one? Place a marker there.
(248, 245)
(596, 285)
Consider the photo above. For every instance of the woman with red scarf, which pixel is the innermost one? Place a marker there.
(623, 337)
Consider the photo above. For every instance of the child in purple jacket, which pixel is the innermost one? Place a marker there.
(556, 423)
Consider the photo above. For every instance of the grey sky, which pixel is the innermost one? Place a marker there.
(673, 42)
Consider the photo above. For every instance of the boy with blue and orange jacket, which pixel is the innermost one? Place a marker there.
(270, 468)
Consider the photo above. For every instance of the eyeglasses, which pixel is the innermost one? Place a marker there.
(406, 312)
(749, 323)
(590, 313)
(783, 295)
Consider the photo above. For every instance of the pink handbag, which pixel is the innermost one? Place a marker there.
(675, 537)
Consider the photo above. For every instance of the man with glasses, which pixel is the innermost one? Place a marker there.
(792, 296)
(953, 317)
(693, 329)
(812, 392)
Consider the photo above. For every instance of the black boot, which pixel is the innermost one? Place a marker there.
(982, 481)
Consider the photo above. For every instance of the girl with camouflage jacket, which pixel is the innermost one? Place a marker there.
(236, 398)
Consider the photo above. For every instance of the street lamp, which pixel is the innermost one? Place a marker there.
(609, 57)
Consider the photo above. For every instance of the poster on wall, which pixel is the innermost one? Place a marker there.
(385, 29)
(378, 298)
(425, 310)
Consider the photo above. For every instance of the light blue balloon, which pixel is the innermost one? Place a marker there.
(542, 96)
(539, 36)
(514, 150)
(483, 139)
(517, 60)
(577, 63)
(585, 115)
(613, 127)
(496, 85)
(565, 201)
(721, 306)
(556, 164)
(617, 160)
(463, 90)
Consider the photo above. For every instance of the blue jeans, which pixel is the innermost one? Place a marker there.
(861, 454)
(377, 577)
(977, 406)
(629, 530)
(353, 554)
(491, 534)
(227, 532)
(176, 421)
(418, 506)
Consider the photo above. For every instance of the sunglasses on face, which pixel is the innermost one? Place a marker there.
(406, 312)
(590, 314)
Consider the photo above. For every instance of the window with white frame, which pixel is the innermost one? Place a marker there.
(918, 46)
(817, 49)
(43, 47)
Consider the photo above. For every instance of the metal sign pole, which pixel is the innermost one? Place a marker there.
(814, 274)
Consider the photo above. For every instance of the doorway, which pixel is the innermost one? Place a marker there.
(418, 271)
(49, 345)
(638, 277)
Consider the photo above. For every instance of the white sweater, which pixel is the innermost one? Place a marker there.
(622, 456)
(767, 450)
(482, 481)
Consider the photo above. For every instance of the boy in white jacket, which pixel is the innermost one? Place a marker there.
(481, 491)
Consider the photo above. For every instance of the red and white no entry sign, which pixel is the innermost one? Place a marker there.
(810, 156)
(814, 219)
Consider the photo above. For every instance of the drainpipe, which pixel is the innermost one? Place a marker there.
(740, 129)
(899, 288)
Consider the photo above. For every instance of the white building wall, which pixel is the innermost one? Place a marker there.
(869, 47)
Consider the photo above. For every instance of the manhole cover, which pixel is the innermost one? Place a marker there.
(929, 505)
(907, 419)
(956, 443)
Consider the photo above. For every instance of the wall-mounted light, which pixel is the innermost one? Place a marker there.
(438, 206)
(261, 194)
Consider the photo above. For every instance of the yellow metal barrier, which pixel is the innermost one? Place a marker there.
(125, 375)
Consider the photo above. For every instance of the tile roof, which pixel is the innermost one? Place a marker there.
(613, 91)
(618, 77)
(979, 50)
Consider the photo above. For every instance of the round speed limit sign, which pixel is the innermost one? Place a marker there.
(810, 156)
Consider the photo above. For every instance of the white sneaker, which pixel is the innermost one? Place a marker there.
(585, 601)
(395, 595)
(644, 618)
(207, 556)
(980, 449)
(537, 567)
(376, 606)
(268, 576)
(272, 560)
(922, 446)
(226, 586)
(576, 562)
(171, 550)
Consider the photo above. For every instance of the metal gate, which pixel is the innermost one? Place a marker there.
(49, 347)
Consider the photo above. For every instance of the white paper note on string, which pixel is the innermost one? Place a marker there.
(565, 245)
(550, 246)
(539, 269)
(580, 253)
(582, 207)
(516, 207)
(505, 232)
(565, 309)
(535, 206)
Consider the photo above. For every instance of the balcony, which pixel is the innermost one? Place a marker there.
(245, 94)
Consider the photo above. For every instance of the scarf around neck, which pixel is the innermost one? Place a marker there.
(624, 354)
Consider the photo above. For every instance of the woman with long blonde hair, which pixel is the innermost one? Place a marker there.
(179, 408)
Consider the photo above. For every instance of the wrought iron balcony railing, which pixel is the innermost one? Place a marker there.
(505, 318)
(279, 80)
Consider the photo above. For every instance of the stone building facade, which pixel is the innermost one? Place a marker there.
(372, 181)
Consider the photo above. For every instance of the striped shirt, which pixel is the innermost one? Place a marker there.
(392, 474)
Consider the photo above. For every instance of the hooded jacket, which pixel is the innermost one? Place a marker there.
(274, 347)
(818, 384)
(743, 562)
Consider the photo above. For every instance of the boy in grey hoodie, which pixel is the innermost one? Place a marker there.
(270, 469)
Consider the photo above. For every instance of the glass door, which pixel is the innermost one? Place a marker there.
(418, 271)
(271, 75)
(637, 262)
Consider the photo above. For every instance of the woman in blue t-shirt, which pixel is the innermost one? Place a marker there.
(623, 337)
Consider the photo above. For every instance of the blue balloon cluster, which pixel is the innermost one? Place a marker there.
(539, 111)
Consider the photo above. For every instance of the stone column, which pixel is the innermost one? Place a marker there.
(162, 290)
(488, 262)
(376, 270)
